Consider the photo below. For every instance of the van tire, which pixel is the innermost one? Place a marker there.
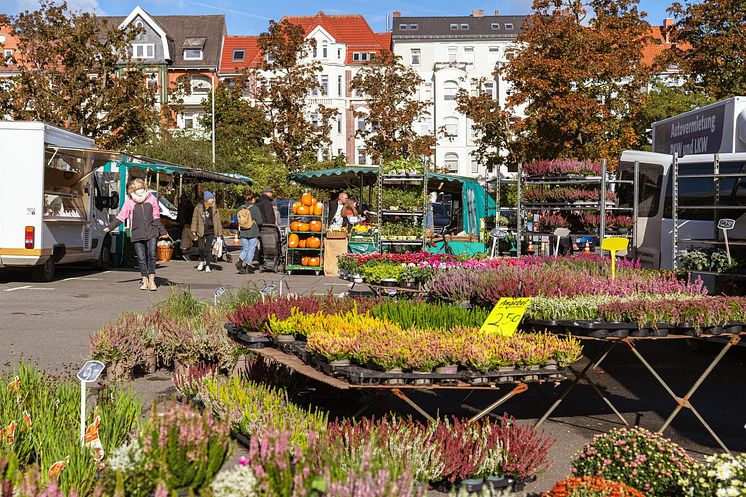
(44, 272)
(104, 257)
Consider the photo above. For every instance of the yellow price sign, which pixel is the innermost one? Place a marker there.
(506, 316)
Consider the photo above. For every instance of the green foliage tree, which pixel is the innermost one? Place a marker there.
(388, 87)
(710, 46)
(580, 79)
(75, 71)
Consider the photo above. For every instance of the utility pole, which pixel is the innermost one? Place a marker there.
(212, 120)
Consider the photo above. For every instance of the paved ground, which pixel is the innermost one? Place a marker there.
(50, 323)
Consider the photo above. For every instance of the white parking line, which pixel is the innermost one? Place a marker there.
(27, 287)
(81, 278)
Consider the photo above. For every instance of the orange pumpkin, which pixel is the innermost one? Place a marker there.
(318, 209)
(293, 241)
(304, 261)
(303, 243)
(315, 226)
(303, 227)
(294, 226)
(306, 199)
(302, 211)
(314, 201)
(313, 261)
(296, 206)
(313, 242)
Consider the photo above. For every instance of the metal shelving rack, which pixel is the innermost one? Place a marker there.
(601, 207)
(716, 176)
(402, 180)
(297, 252)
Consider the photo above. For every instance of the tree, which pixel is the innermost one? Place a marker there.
(581, 82)
(282, 86)
(71, 75)
(490, 122)
(388, 87)
(239, 125)
(663, 102)
(710, 46)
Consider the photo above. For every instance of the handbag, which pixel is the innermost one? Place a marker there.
(217, 248)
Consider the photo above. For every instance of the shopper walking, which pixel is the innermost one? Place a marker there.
(249, 219)
(144, 215)
(206, 225)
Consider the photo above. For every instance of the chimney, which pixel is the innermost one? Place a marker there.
(477, 13)
(396, 14)
(667, 27)
(497, 12)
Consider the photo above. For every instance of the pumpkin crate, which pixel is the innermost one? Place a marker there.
(304, 250)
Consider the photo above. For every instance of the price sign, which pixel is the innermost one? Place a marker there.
(506, 316)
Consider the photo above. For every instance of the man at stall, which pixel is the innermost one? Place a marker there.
(334, 212)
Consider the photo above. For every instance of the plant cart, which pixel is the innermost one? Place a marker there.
(401, 223)
(305, 236)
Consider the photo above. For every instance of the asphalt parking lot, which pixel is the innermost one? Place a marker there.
(49, 324)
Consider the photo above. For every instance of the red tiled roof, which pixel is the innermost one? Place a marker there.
(11, 43)
(657, 45)
(252, 53)
(352, 30)
(384, 39)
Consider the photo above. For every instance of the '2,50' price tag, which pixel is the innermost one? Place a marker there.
(506, 316)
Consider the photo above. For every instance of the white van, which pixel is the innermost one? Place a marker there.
(57, 195)
(697, 199)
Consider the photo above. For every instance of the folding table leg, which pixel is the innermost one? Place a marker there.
(409, 401)
(519, 388)
(684, 402)
(582, 375)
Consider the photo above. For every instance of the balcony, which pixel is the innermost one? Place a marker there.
(464, 66)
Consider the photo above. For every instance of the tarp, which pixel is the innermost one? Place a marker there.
(337, 179)
(145, 164)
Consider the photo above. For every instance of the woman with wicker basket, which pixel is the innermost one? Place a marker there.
(141, 208)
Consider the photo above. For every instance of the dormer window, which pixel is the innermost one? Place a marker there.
(495, 25)
(454, 27)
(239, 55)
(143, 51)
(362, 56)
(465, 26)
(413, 27)
(192, 54)
(193, 48)
(403, 27)
(508, 26)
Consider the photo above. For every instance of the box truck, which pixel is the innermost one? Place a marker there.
(57, 195)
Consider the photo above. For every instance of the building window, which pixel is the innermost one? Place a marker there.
(465, 26)
(451, 125)
(200, 85)
(143, 51)
(493, 56)
(452, 54)
(413, 27)
(339, 124)
(488, 88)
(151, 81)
(192, 54)
(495, 25)
(8, 55)
(454, 27)
(191, 121)
(469, 55)
(141, 28)
(414, 54)
(339, 53)
(474, 166)
(508, 26)
(450, 88)
(324, 85)
(361, 158)
(361, 56)
(360, 125)
(325, 50)
(403, 27)
(451, 161)
(269, 58)
(315, 52)
(315, 121)
(339, 86)
(239, 55)
(426, 125)
(428, 91)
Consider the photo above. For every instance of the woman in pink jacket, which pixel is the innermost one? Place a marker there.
(141, 208)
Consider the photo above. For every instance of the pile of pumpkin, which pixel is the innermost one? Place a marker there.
(308, 206)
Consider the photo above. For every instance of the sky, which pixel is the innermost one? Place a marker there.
(250, 17)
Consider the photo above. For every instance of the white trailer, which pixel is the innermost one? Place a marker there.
(57, 196)
(718, 128)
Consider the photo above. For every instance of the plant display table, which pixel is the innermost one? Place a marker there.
(681, 402)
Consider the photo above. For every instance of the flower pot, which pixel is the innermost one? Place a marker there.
(497, 481)
(151, 360)
(506, 369)
(121, 372)
(449, 369)
(472, 484)
(339, 362)
(390, 282)
(551, 365)
(535, 367)
(285, 338)
(395, 381)
(422, 381)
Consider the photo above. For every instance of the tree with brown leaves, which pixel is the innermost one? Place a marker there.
(75, 71)
(282, 87)
(581, 82)
(710, 46)
(388, 87)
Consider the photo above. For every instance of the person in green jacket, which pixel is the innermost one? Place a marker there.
(248, 232)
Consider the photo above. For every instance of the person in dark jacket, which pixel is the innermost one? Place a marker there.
(266, 206)
(141, 208)
(206, 225)
(334, 211)
(248, 235)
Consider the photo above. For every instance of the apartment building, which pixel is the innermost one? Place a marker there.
(173, 47)
(344, 43)
(452, 53)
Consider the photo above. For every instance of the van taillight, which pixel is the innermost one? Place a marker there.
(29, 237)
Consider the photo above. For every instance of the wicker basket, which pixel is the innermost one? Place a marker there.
(164, 253)
(336, 235)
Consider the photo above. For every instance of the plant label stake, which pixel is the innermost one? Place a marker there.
(506, 316)
(218, 292)
(560, 233)
(89, 373)
(725, 225)
(614, 244)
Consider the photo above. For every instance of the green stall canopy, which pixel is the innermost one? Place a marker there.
(337, 179)
(156, 166)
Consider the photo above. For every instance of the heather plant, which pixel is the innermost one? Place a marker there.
(188, 377)
(437, 316)
(238, 481)
(119, 344)
(643, 460)
(563, 167)
(182, 304)
(547, 223)
(591, 486)
(718, 475)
